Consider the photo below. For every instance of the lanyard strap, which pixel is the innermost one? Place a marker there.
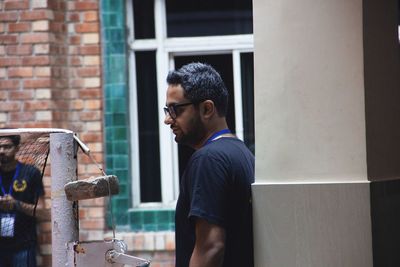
(216, 135)
(12, 181)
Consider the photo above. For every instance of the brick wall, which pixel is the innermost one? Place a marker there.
(50, 76)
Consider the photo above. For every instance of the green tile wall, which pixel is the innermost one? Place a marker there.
(152, 220)
(116, 112)
(116, 119)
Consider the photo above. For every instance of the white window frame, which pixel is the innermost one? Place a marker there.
(166, 50)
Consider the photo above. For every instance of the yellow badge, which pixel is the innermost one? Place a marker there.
(19, 186)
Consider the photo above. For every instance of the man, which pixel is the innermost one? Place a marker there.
(20, 187)
(213, 213)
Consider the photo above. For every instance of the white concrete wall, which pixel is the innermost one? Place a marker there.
(311, 196)
(309, 91)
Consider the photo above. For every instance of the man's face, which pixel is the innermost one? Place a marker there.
(7, 150)
(185, 121)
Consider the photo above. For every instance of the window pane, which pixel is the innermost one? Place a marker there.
(149, 150)
(143, 13)
(247, 69)
(224, 65)
(208, 17)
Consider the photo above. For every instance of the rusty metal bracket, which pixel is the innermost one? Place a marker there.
(107, 253)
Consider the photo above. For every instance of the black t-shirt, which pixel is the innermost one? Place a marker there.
(27, 187)
(216, 187)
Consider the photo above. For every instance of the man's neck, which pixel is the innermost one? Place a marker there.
(219, 126)
(9, 166)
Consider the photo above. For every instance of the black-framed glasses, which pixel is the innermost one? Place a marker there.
(7, 147)
(172, 110)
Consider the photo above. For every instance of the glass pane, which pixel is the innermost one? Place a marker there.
(209, 17)
(149, 150)
(143, 13)
(247, 72)
(224, 65)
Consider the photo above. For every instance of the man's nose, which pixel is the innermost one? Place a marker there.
(168, 119)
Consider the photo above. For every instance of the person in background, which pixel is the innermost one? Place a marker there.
(214, 211)
(20, 187)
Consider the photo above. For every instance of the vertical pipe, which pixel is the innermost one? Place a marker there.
(63, 214)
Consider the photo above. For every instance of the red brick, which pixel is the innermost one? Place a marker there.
(57, 27)
(62, 105)
(75, 40)
(92, 224)
(44, 238)
(59, 16)
(90, 116)
(77, 104)
(98, 157)
(45, 227)
(20, 72)
(36, 125)
(87, 27)
(58, 115)
(9, 84)
(3, 95)
(9, 61)
(76, 61)
(8, 39)
(21, 95)
(37, 15)
(91, 16)
(73, 50)
(22, 116)
(74, 17)
(8, 16)
(90, 50)
(91, 137)
(10, 106)
(40, 37)
(85, 6)
(42, 71)
(19, 50)
(88, 71)
(19, 27)
(36, 105)
(46, 260)
(39, 83)
(60, 61)
(36, 61)
(16, 5)
(90, 93)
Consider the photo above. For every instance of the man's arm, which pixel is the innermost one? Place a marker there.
(8, 203)
(210, 245)
(40, 213)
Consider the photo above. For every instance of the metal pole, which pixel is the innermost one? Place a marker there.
(64, 217)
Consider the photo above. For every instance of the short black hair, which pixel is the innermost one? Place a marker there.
(15, 139)
(201, 82)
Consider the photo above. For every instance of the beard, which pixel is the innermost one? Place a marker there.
(4, 159)
(194, 135)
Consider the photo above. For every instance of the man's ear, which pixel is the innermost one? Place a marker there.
(17, 148)
(208, 109)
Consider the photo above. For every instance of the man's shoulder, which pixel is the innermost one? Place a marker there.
(225, 146)
(29, 169)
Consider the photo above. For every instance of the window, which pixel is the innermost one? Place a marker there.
(164, 35)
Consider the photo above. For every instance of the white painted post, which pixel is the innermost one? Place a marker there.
(64, 218)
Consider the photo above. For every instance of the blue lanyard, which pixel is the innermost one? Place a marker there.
(216, 135)
(12, 181)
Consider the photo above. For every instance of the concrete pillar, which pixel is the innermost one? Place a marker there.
(314, 126)
(64, 213)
